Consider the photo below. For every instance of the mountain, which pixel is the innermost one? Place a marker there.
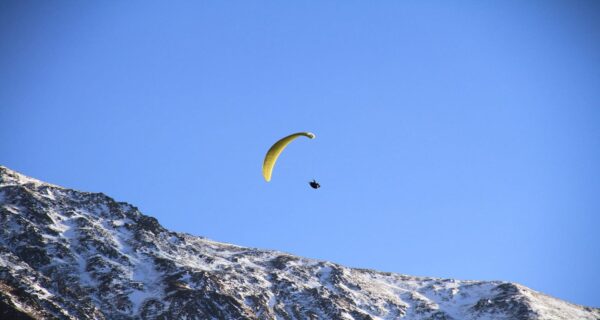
(67, 254)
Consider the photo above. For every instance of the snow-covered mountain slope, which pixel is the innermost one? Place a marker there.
(66, 254)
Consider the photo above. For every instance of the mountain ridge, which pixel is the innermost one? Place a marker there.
(67, 254)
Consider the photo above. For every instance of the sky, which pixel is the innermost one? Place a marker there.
(453, 139)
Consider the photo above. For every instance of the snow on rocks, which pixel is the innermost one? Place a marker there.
(76, 255)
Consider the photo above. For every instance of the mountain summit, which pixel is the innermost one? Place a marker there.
(66, 254)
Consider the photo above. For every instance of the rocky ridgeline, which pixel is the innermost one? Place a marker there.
(66, 254)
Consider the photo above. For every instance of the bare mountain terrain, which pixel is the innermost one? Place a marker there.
(66, 254)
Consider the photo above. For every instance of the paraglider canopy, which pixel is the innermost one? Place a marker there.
(275, 151)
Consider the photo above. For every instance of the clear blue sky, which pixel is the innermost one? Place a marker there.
(453, 140)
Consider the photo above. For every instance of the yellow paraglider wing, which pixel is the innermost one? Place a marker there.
(276, 150)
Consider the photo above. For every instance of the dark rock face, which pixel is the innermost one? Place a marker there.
(66, 254)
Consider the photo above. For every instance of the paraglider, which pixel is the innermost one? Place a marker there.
(275, 151)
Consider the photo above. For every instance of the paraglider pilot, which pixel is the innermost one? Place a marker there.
(314, 184)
